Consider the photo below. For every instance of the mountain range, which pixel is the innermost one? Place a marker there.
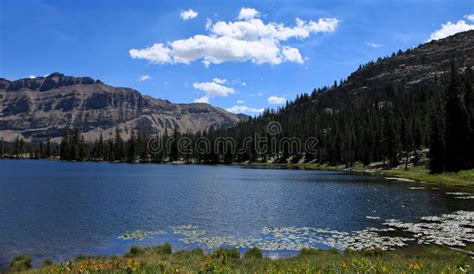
(44, 107)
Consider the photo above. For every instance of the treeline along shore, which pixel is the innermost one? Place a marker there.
(394, 133)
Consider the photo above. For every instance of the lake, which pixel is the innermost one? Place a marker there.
(58, 210)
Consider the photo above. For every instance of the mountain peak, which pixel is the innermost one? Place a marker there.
(53, 80)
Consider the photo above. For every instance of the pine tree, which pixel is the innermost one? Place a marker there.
(437, 161)
(469, 102)
(118, 149)
(407, 140)
(131, 148)
(457, 125)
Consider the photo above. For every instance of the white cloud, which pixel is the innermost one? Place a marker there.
(144, 77)
(244, 109)
(244, 84)
(292, 55)
(212, 89)
(208, 24)
(188, 14)
(156, 54)
(275, 100)
(469, 17)
(32, 76)
(241, 41)
(248, 13)
(449, 29)
(373, 45)
(240, 102)
(219, 81)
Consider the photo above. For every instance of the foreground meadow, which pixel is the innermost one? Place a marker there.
(161, 259)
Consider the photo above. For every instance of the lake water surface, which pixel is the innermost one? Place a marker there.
(57, 210)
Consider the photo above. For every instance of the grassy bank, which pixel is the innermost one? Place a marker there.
(421, 173)
(428, 259)
(463, 178)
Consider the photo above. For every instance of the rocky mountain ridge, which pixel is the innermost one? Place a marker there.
(44, 107)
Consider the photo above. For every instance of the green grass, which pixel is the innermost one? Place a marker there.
(427, 259)
(421, 173)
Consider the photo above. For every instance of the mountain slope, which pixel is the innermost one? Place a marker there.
(383, 111)
(43, 107)
(426, 66)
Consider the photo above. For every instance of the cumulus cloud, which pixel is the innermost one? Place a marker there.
(144, 77)
(212, 89)
(248, 39)
(276, 100)
(240, 102)
(292, 55)
(373, 45)
(469, 17)
(244, 109)
(156, 54)
(188, 14)
(248, 13)
(450, 28)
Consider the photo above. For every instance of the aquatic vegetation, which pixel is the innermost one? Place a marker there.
(139, 235)
(188, 230)
(455, 229)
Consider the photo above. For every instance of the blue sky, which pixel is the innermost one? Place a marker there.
(238, 59)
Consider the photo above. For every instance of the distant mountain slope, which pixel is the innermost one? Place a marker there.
(425, 66)
(43, 107)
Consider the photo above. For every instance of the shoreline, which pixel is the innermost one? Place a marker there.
(418, 173)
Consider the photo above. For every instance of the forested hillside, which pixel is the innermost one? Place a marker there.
(386, 111)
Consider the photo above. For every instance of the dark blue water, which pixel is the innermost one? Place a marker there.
(57, 210)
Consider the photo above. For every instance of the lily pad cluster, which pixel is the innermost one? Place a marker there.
(139, 235)
(454, 229)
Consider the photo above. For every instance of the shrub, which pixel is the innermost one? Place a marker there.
(253, 253)
(20, 263)
(225, 254)
(164, 249)
(81, 257)
(134, 251)
(309, 251)
(47, 262)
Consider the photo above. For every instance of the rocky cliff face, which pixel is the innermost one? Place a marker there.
(44, 107)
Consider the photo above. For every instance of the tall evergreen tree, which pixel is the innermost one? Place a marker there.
(457, 125)
(437, 161)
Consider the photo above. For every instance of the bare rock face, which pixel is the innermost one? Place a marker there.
(44, 107)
